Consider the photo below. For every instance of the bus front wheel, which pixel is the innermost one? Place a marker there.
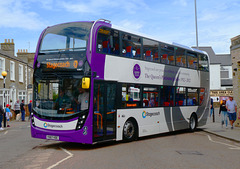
(193, 122)
(129, 130)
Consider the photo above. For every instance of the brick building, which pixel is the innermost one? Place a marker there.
(18, 84)
(235, 52)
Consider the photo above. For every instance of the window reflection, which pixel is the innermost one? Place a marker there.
(60, 98)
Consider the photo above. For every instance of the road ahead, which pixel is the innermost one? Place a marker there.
(172, 150)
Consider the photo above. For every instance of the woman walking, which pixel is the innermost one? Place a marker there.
(223, 113)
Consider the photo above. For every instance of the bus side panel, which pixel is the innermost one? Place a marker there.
(156, 120)
(123, 70)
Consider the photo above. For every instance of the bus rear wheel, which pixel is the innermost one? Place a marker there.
(193, 122)
(129, 131)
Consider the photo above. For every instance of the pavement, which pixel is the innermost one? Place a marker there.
(211, 127)
(217, 129)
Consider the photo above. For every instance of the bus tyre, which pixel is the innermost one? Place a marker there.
(193, 122)
(129, 131)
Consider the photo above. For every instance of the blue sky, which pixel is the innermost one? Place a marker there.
(166, 20)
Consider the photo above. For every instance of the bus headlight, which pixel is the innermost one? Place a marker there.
(32, 119)
(81, 121)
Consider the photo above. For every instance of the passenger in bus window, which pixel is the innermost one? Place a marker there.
(194, 101)
(130, 99)
(152, 102)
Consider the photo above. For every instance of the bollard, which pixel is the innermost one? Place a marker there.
(4, 119)
(213, 116)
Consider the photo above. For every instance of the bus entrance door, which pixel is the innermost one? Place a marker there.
(104, 121)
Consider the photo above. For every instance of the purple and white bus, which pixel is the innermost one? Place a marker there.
(95, 82)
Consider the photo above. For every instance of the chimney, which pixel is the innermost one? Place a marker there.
(26, 56)
(8, 46)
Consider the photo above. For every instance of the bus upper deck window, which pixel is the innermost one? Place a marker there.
(108, 41)
(148, 55)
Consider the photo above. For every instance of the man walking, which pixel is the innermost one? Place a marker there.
(231, 106)
(22, 110)
(29, 109)
(17, 110)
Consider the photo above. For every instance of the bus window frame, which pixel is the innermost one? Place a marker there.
(111, 29)
(141, 38)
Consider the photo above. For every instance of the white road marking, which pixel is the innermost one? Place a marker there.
(5, 132)
(70, 155)
(218, 142)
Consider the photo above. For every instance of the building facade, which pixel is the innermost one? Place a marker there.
(19, 73)
(235, 52)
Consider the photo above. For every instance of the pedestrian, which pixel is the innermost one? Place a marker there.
(17, 110)
(22, 107)
(8, 114)
(1, 116)
(29, 109)
(231, 106)
(212, 109)
(223, 112)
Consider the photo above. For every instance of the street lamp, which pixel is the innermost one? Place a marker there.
(196, 23)
(4, 74)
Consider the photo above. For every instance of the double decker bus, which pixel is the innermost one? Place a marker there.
(96, 82)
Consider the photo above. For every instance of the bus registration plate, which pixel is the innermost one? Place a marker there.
(52, 137)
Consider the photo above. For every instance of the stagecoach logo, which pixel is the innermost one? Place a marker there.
(145, 114)
(47, 125)
(136, 71)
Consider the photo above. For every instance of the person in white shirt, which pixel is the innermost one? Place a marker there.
(83, 99)
(231, 106)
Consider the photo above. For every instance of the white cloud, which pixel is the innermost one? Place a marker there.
(180, 2)
(15, 13)
(209, 17)
(103, 6)
(128, 25)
